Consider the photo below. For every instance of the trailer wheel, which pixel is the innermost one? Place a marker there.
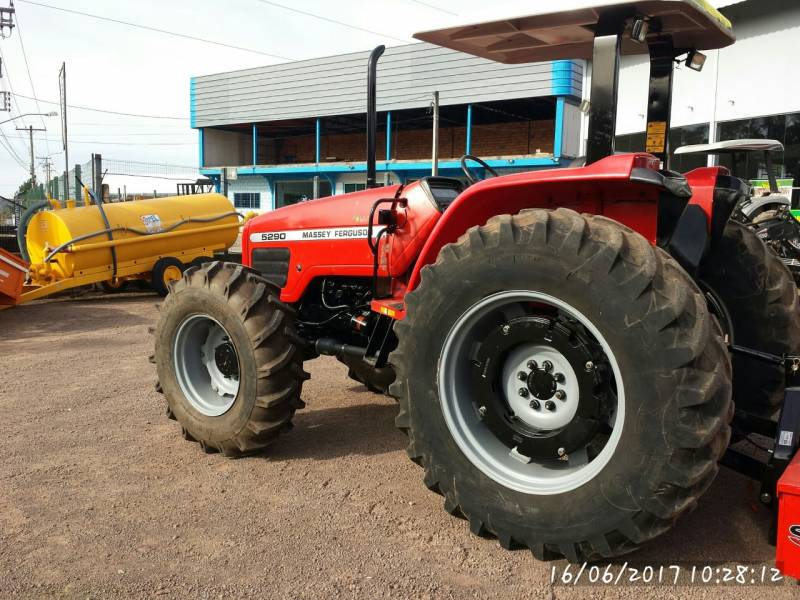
(167, 270)
(562, 384)
(755, 298)
(200, 261)
(228, 359)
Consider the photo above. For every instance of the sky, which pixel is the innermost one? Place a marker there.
(120, 68)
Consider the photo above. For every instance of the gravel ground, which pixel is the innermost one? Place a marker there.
(101, 497)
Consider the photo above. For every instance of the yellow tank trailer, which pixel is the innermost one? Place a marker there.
(146, 239)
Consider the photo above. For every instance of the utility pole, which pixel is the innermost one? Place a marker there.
(7, 20)
(97, 177)
(62, 88)
(435, 157)
(47, 166)
(30, 129)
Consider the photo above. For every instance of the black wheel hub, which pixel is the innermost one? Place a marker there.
(225, 358)
(542, 384)
(571, 341)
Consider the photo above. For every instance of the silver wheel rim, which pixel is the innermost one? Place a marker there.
(481, 447)
(206, 386)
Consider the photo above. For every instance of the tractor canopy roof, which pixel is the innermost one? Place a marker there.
(559, 35)
(732, 146)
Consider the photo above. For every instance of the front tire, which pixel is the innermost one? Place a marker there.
(228, 358)
(566, 287)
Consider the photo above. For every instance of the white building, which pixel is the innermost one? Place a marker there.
(749, 89)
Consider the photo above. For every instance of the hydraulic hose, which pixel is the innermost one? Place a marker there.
(22, 227)
(142, 232)
(99, 203)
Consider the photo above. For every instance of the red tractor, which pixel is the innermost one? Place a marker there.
(568, 347)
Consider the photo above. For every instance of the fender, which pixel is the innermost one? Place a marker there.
(715, 195)
(763, 203)
(604, 188)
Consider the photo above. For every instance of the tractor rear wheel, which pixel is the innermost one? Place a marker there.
(754, 297)
(562, 384)
(228, 358)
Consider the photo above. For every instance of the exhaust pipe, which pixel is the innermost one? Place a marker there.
(372, 113)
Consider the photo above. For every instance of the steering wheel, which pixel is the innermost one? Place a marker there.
(468, 172)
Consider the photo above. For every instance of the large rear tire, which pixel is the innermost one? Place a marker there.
(756, 300)
(604, 327)
(228, 358)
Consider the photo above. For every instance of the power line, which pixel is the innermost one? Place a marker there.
(127, 125)
(6, 145)
(444, 10)
(103, 110)
(125, 135)
(11, 148)
(30, 79)
(99, 142)
(329, 20)
(155, 29)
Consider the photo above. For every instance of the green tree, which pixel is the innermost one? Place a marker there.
(29, 192)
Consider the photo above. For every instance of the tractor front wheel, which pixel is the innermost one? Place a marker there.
(562, 384)
(228, 358)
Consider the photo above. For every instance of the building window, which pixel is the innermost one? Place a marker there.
(354, 187)
(247, 200)
(632, 142)
(292, 192)
(357, 187)
(678, 136)
(751, 165)
(686, 136)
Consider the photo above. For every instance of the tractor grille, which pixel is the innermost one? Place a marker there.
(272, 263)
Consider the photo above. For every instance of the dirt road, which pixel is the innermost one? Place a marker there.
(100, 497)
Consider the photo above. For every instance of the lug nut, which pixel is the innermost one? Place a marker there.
(532, 365)
(535, 404)
(561, 451)
(523, 392)
(506, 329)
(550, 405)
(561, 394)
(589, 365)
(765, 498)
(547, 366)
(482, 411)
(522, 376)
(559, 377)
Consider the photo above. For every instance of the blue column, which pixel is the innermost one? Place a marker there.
(468, 149)
(201, 144)
(255, 145)
(317, 152)
(388, 136)
(559, 128)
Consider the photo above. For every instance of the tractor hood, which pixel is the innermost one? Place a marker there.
(335, 217)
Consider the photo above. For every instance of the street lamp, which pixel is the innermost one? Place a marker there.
(50, 114)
